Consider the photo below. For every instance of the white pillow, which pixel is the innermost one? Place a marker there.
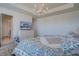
(46, 42)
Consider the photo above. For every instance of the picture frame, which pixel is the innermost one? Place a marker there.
(24, 25)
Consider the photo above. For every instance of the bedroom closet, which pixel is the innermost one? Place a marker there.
(5, 29)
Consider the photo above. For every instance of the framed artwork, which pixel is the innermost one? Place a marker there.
(24, 25)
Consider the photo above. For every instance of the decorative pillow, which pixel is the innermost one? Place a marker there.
(73, 34)
(70, 46)
(52, 42)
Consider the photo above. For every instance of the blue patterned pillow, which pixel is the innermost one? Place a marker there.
(70, 45)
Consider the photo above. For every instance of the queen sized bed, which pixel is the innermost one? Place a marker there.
(33, 47)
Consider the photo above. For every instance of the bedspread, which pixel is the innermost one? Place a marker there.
(33, 48)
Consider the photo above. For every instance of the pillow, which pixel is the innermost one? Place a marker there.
(74, 35)
(54, 40)
(70, 46)
(50, 42)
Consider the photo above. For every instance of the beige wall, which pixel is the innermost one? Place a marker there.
(58, 24)
(17, 17)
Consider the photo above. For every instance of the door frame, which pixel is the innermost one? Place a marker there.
(11, 25)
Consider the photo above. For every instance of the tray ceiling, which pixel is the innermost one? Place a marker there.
(53, 8)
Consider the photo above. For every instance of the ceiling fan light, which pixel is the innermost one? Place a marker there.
(40, 8)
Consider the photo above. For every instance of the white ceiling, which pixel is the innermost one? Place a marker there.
(30, 6)
(53, 8)
(49, 5)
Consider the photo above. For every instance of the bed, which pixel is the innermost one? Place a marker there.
(33, 47)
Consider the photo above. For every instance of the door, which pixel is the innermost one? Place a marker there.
(5, 29)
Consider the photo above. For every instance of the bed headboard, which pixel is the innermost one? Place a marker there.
(24, 34)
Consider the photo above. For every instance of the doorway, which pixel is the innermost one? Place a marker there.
(6, 29)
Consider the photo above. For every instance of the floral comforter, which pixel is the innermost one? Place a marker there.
(35, 48)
